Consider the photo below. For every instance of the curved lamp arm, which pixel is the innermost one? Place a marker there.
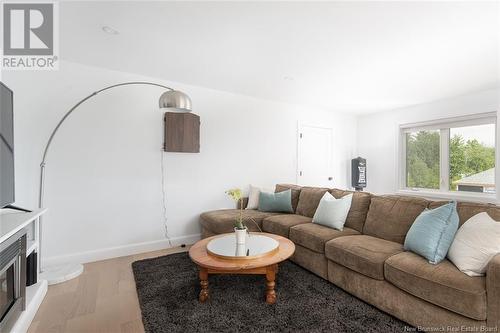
(63, 119)
(52, 135)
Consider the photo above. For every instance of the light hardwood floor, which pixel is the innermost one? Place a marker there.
(102, 299)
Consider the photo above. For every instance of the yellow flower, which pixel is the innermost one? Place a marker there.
(234, 193)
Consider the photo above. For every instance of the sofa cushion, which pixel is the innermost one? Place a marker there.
(309, 200)
(442, 284)
(314, 236)
(390, 217)
(221, 221)
(363, 254)
(295, 192)
(281, 224)
(359, 208)
(466, 210)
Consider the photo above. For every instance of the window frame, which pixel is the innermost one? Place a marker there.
(444, 125)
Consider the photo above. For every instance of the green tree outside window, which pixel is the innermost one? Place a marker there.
(422, 159)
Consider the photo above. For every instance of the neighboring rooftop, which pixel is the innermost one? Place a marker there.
(485, 178)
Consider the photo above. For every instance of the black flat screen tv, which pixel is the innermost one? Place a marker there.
(6, 146)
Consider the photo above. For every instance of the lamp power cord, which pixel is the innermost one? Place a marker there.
(164, 197)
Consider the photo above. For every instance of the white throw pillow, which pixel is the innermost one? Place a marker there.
(333, 212)
(253, 196)
(475, 243)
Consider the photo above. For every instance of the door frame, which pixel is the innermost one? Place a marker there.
(300, 126)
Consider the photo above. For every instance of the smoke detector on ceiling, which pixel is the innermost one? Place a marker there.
(109, 30)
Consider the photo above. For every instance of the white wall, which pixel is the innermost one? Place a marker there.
(103, 181)
(378, 133)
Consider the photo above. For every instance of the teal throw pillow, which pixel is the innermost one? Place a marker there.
(276, 202)
(433, 232)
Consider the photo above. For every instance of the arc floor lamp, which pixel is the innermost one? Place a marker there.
(171, 100)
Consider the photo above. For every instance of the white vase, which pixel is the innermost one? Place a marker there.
(241, 235)
(241, 250)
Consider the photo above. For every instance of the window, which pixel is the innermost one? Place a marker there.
(449, 155)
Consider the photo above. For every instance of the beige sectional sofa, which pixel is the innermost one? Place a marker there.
(367, 258)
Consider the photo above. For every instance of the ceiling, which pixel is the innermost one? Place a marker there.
(350, 56)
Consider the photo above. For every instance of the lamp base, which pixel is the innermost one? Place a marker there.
(59, 274)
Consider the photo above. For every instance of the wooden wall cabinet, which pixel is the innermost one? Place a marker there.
(182, 132)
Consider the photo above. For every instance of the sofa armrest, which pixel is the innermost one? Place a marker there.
(493, 291)
(244, 201)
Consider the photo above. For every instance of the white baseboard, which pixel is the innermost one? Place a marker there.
(119, 251)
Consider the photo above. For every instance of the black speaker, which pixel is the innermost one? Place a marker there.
(358, 173)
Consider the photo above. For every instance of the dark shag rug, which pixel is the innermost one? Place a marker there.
(168, 295)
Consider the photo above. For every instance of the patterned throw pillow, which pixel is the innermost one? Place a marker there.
(432, 232)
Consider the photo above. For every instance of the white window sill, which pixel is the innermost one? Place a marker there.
(451, 195)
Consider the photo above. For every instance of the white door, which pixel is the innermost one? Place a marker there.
(314, 156)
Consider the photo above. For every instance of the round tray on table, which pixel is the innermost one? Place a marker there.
(256, 246)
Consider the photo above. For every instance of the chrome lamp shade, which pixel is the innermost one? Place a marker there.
(175, 101)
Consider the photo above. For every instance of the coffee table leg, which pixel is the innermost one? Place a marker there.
(204, 284)
(270, 277)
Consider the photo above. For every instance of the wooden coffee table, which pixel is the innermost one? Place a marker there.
(266, 264)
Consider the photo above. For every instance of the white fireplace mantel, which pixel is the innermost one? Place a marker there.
(11, 221)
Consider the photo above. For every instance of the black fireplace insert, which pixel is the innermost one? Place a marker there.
(12, 279)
